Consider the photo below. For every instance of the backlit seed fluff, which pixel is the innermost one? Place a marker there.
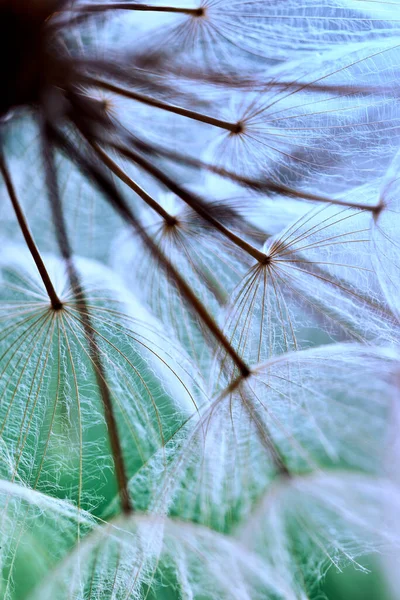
(199, 299)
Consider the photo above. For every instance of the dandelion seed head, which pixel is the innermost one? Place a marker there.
(199, 295)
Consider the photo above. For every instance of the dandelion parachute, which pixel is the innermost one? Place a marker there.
(199, 351)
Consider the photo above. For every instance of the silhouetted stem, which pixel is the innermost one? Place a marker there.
(178, 110)
(65, 248)
(168, 218)
(120, 173)
(261, 185)
(118, 202)
(30, 242)
(266, 438)
(193, 201)
(195, 12)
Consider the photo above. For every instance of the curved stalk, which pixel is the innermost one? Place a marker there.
(65, 248)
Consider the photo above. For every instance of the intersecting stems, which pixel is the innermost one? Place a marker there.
(103, 182)
(101, 376)
(191, 200)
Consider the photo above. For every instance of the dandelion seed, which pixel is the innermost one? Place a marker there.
(52, 423)
(288, 418)
(306, 130)
(148, 553)
(199, 428)
(332, 519)
(35, 529)
(385, 240)
(214, 31)
(318, 281)
(207, 260)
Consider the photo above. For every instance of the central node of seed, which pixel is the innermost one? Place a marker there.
(200, 12)
(267, 259)
(238, 128)
(57, 306)
(170, 222)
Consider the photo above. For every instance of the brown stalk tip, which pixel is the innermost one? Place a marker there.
(199, 12)
(266, 259)
(376, 210)
(57, 305)
(106, 105)
(170, 222)
(238, 128)
(245, 371)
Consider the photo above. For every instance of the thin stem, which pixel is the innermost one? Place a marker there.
(292, 193)
(149, 101)
(193, 201)
(195, 12)
(119, 204)
(261, 185)
(266, 438)
(30, 242)
(107, 160)
(230, 213)
(101, 378)
(170, 220)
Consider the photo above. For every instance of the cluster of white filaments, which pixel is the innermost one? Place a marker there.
(199, 296)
